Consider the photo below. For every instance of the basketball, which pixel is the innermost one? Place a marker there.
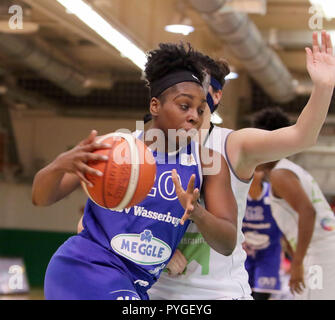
(128, 174)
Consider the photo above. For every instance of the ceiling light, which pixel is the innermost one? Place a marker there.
(179, 28)
(232, 76)
(97, 23)
(180, 25)
(216, 119)
(328, 7)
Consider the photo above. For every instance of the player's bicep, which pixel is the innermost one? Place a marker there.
(260, 146)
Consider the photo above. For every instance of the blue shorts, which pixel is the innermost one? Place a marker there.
(83, 270)
(263, 270)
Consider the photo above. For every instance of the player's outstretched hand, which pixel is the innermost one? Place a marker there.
(188, 199)
(321, 60)
(75, 160)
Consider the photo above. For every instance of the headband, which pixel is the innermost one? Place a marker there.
(168, 81)
(217, 86)
(210, 102)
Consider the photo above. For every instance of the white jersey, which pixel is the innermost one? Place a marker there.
(321, 251)
(210, 275)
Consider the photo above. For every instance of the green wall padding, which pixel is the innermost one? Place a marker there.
(35, 247)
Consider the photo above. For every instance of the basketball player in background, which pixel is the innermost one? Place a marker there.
(95, 264)
(304, 216)
(262, 241)
(209, 275)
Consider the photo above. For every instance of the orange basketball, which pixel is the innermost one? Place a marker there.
(128, 174)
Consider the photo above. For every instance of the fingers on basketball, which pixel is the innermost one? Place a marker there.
(113, 187)
(90, 138)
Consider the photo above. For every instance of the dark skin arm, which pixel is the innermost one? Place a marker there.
(63, 175)
(287, 247)
(286, 185)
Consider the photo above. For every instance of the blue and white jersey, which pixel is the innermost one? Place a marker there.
(144, 237)
(259, 227)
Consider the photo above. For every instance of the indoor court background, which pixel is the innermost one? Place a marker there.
(59, 79)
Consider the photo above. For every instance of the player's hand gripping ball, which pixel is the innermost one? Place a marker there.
(128, 175)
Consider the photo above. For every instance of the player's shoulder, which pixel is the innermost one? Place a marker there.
(282, 180)
(284, 169)
(223, 132)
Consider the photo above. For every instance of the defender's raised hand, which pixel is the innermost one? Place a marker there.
(321, 60)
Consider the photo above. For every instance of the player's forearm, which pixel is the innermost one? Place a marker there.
(306, 225)
(314, 114)
(46, 185)
(287, 247)
(219, 233)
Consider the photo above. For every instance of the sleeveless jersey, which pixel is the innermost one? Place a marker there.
(287, 218)
(210, 275)
(262, 236)
(259, 227)
(143, 238)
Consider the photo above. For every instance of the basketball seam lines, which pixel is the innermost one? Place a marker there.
(105, 174)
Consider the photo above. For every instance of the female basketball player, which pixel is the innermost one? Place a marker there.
(119, 255)
(210, 275)
(262, 241)
(305, 218)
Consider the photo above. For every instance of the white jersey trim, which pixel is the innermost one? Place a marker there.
(247, 181)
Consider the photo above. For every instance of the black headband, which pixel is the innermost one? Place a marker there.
(159, 86)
